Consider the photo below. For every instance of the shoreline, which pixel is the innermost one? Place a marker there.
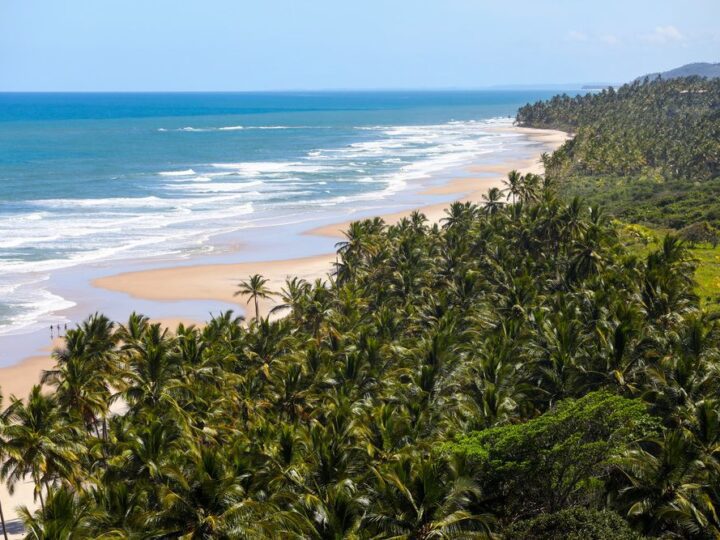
(217, 282)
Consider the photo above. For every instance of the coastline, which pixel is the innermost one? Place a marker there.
(217, 282)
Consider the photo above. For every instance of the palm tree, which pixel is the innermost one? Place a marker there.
(207, 500)
(79, 381)
(152, 367)
(513, 185)
(40, 442)
(4, 416)
(292, 295)
(492, 200)
(255, 288)
(666, 487)
(334, 512)
(66, 515)
(422, 497)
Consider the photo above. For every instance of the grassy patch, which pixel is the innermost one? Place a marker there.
(641, 240)
(649, 198)
(707, 275)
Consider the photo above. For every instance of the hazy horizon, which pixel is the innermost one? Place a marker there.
(223, 46)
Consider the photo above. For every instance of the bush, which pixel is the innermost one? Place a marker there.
(573, 524)
(558, 459)
(700, 233)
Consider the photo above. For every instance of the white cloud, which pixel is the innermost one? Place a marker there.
(664, 34)
(574, 35)
(609, 39)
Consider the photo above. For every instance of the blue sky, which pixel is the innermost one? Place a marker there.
(197, 45)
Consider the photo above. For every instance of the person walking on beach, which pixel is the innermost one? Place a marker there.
(51, 331)
(58, 329)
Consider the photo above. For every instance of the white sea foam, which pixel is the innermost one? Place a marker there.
(185, 207)
(192, 129)
(253, 168)
(31, 309)
(186, 172)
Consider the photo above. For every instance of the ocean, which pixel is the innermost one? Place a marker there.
(87, 178)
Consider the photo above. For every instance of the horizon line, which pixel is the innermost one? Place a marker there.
(531, 86)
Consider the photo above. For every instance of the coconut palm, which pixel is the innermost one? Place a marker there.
(665, 487)
(208, 501)
(80, 387)
(513, 185)
(493, 200)
(40, 443)
(255, 288)
(4, 417)
(66, 515)
(420, 497)
(151, 368)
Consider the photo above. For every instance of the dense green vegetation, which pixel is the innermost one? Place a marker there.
(649, 154)
(527, 369)
(650, 151)
(574, 524)
(514, 372)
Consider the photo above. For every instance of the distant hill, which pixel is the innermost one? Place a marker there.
(701, 69)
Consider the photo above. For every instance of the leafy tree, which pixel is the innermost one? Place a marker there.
(558, 459)
(700, 233)
(573, 524)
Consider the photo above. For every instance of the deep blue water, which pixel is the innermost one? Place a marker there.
(90, 177)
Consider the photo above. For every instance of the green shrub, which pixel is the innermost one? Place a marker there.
(558, 459)
(573, 524)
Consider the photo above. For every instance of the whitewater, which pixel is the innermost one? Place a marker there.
(146, 186)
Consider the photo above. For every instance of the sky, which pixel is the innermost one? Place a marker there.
(239, 45)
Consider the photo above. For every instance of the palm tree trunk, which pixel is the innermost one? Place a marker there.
(257, 314)
(38, 487)
(2, 522)
(42, 501)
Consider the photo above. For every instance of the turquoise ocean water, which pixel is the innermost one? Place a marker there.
(86, 178)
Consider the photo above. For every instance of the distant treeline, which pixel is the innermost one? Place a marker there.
(672, 126)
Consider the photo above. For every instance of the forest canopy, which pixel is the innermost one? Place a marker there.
(649, 150)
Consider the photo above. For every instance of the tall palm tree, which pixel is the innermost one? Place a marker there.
(152, 366)
(79, 381)
(207, 500)
(40, 442)
(667, 487)
(292, 295)
(513, 184)
(493, 201)
(255, 288)
(66, 515)
(4, 416)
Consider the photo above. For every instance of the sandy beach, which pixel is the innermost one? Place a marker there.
(218, 282)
